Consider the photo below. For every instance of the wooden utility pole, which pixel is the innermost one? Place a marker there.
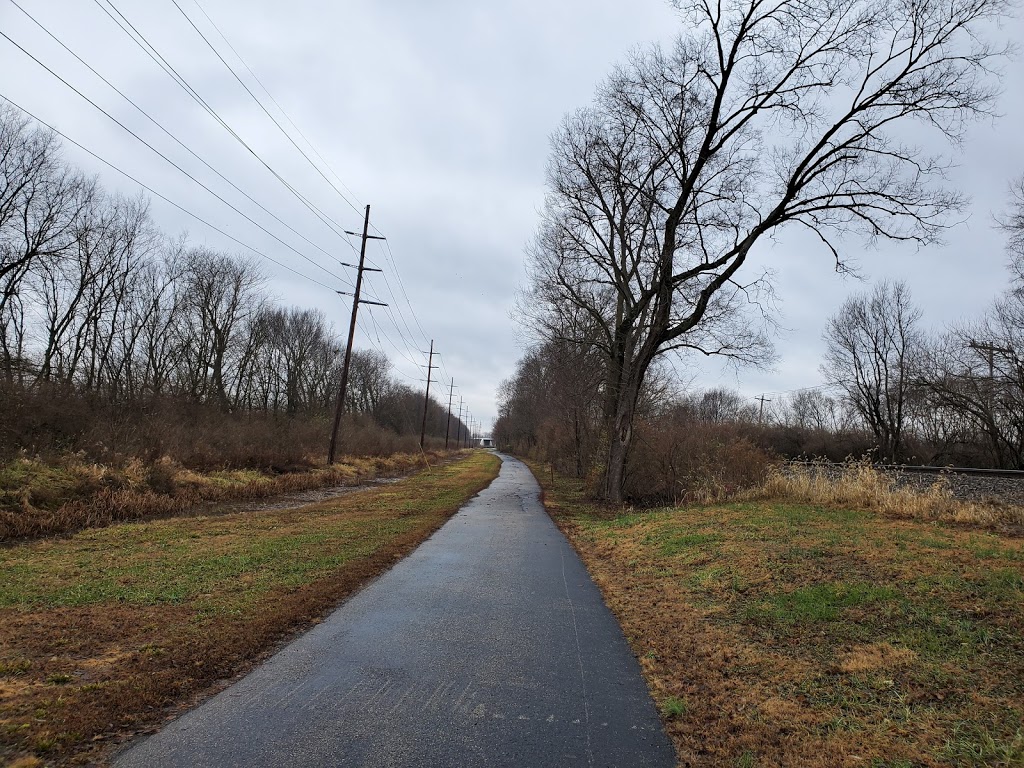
(760, 413)
(356, 301)
(990, 350)
(426, 397)
(458, 430)
(448, 427)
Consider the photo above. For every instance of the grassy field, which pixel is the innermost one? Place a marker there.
(788, 634)
(101, 632)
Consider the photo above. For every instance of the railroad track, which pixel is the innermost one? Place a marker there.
(968, 483)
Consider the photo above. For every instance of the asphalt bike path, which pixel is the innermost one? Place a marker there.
(487, 646)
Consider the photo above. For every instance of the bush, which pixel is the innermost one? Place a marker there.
(676, 460)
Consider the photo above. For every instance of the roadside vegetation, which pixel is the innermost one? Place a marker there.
(43, 498)
(102, 631)
(805, 627)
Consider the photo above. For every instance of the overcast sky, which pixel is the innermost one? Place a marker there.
(438, 115)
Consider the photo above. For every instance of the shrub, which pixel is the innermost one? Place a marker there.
(678, 460)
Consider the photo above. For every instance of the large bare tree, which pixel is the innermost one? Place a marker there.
(763, 114)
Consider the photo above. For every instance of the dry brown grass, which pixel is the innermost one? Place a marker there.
(858, 485)
(103, 631)
(45, 498)
(801, 634)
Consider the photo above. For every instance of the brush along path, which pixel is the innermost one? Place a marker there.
(786, 634)
(40, 498)
(487, 646)
(102, 630)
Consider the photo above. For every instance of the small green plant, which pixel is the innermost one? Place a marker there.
(673, 707)
(59, 678)
(746, 760)
(15, 667)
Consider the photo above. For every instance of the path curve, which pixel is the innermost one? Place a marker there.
(488, 646)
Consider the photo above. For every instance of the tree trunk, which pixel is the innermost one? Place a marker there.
(620, 437)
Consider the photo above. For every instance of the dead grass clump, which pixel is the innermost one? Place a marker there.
(874, 657)
(858, 485)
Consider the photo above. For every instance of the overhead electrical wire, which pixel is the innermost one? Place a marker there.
(140, 40)
(378, 344)
(390, 254)
(166, 199)
(170, 161)
(159, 125)
(401, 285)
(261, 106)
(273, 100)
(281, 128)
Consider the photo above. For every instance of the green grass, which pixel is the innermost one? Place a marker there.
(673, 707)
(820, 602)
(974, 745)
(173, 562)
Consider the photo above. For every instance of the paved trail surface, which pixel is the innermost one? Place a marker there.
(488, 646)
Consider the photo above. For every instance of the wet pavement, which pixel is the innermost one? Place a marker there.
(488, 646)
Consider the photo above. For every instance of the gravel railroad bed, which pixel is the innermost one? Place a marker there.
(1008, 490)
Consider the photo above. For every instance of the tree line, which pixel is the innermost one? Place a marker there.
(95, 299)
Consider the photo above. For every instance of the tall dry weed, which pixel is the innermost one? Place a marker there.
(859, 485)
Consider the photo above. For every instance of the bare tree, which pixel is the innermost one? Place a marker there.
(41, 201)
(223, 294)
(812, 409)
(369, 380)
(873, 351)
(762, 115)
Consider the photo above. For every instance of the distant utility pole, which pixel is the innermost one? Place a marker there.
(760, 413)
(990, 350)
(448, 427)
(356, 301)
(458, 427)
(426, 397)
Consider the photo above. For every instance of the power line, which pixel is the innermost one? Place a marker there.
(291, 122)
(261, 106)
(799, 389)
(378, 333)
(140, 40)
(163, 197)
(159, 125)
(281, 128)
(401, 285)
(166, 159)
